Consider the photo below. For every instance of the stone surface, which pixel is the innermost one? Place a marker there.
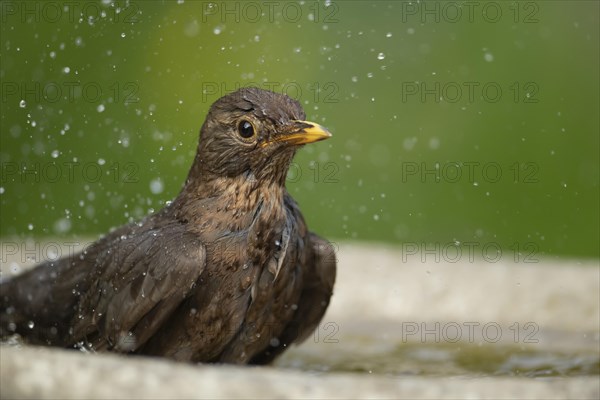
(36, 373)
(380, 293)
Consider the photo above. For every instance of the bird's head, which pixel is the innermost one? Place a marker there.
(253, 133)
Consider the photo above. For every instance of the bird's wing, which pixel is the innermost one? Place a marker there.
(140, 280)
(319, 277)
(318, 287)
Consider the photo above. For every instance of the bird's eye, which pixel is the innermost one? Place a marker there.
(245, 129)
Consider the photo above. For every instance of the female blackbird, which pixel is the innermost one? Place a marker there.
(227, 272)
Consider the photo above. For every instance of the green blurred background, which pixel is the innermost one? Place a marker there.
(102, 104)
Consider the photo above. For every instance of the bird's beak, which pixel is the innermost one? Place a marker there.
(303, 132)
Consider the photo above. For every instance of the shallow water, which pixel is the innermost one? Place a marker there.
(443, 359)
(438, 360)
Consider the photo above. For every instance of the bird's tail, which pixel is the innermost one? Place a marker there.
(39, 304)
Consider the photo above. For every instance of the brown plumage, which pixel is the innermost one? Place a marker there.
(228, 272)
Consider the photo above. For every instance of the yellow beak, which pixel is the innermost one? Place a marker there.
(308, 132)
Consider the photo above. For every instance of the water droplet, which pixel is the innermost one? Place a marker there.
(62, 225)
(389, 34)
(380, 56)
(22, 104)
(30, 324)
(55, 153)
(434, 143)
(156, 186)
(100, 108)
(489, 57)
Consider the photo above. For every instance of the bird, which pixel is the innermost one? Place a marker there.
(227, 272)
